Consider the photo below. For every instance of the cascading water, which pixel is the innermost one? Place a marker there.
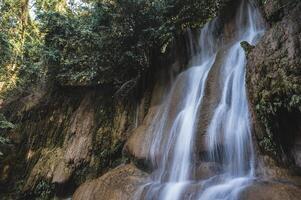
(172, 147)
(174, 126)
(230, 122)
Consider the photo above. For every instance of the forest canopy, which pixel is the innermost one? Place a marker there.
(92, 42)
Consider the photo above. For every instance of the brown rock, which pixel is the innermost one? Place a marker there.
(61, 173)
(118, 184)
(207, 169)
(50, 166)
(138, 144)
(271, 191)
(79, 145)
(274, 85)
(274, 10)
(4, 173)
(212, 96)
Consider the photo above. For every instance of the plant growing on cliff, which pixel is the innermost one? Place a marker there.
(44, 191)
(4, 124)
(114, 42)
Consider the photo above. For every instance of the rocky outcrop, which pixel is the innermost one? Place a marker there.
(120, 183)
(261, 190)
(139, 142)
(49, 166)
(58, 164)
(275, 10)
(64, 138)
(274, 86)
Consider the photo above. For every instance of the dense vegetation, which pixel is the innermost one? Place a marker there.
(97, 42)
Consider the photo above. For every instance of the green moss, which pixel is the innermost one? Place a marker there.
(268, 145)
(246, 46)
(44, 191)
(277, 96)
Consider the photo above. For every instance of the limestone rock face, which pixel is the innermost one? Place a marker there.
(50, 166)
(139, 142)
(274, 87)
(118, 184)
(271, 190)
(79, 145)
(63, 139)
(58, 164)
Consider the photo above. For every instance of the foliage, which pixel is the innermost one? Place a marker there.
(4, 49)
(115, 41)
(106, 43)
(278, 102)
(44, 190)
(20, 43)
(4, 125)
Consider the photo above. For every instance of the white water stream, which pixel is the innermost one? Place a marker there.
(175, 125)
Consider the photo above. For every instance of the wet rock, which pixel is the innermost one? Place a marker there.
(118, 184)
(274, 88)
(271, 191)
(210, 99)
(207, 169)
(139, 143)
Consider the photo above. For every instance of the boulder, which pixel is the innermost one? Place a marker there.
(139, 142)
(117, 184)
(271, 191)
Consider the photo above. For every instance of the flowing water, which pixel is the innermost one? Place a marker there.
(229, 141)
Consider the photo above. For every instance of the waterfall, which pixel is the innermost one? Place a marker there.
(175, 125)
(172, 147)
(230, 122)
(231, 117)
